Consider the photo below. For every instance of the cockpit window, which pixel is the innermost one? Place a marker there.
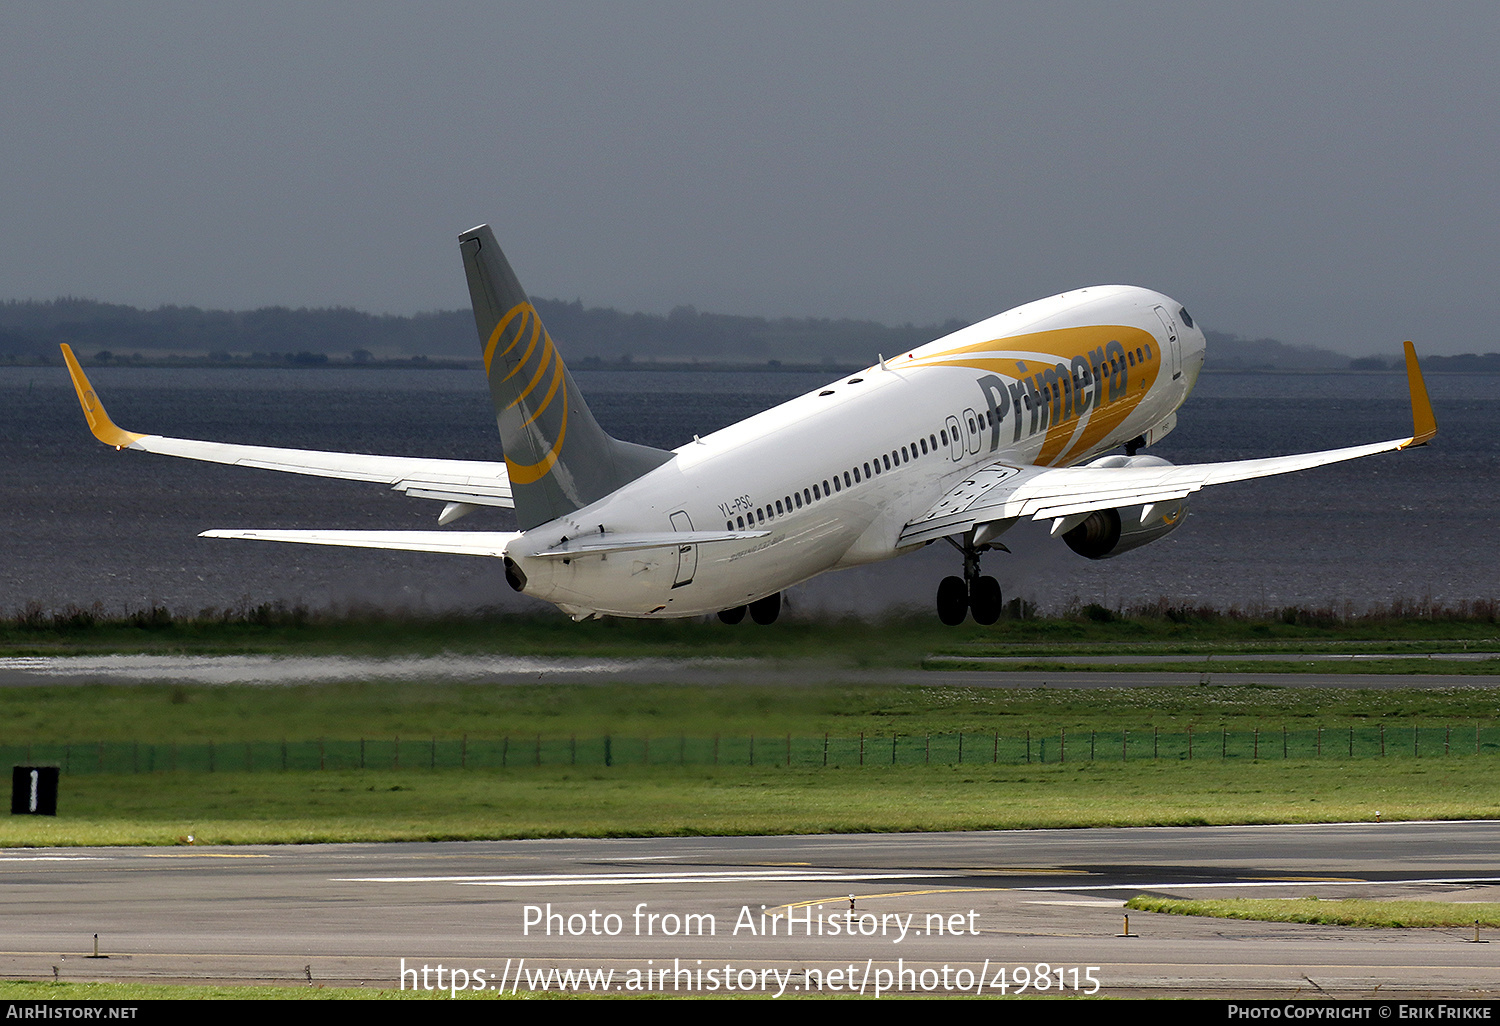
(1184, 316)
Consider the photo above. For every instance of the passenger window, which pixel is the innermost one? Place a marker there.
(807, 494)
(836, 486)
(856, 476)
(729, 525)
(779, 510)
(924, 447)
(846, 479)
(1132, 359)
(887, 460)
(1148, 351)
(867, 469)
(741, 522)
(797, 498)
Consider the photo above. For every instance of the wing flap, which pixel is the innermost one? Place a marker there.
(1005, 492)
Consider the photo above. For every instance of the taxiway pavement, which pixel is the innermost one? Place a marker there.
(972, 903)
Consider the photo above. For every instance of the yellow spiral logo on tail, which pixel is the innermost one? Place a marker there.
(528, 323)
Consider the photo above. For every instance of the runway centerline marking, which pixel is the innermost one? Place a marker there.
(633, 879)
(54, 858)
(891, 894)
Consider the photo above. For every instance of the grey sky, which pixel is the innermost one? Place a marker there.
(1321, 172)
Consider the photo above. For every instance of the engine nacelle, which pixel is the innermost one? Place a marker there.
(1109, 532)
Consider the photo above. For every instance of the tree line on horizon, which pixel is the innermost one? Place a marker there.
(30, 331)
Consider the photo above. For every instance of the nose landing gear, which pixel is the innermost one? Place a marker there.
(971, 593)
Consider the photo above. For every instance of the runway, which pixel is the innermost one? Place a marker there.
(933, 913)
(26, 671)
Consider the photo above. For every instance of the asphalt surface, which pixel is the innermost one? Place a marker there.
(22, 671)
(970, 904)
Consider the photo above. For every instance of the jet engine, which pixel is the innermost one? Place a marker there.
(1109, 532)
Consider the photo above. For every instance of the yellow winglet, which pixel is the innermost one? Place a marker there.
(103, 428)
(1423, 422)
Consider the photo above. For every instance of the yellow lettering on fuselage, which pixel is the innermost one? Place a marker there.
(1045, 368)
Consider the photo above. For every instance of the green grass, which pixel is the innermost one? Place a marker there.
(1194, 642)
(167, 713)
(416, 803)
(1226, 663)
(19, 990)
(1338, 912)
(632, 801)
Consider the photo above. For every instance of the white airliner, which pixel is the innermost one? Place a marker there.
(958, 440)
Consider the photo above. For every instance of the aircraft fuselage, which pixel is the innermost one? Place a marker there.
(834, 475)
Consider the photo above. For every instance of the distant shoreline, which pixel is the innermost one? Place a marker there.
(177, 362)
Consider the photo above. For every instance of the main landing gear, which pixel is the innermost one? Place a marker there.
(762, 611)
(971, 593)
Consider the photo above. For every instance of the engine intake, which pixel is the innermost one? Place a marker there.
(1109, 532)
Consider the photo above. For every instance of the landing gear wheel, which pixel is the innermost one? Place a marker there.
(985, 600)
(952, 601)
(732, 616)
(764, 611)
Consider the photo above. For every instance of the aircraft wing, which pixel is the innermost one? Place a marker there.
(1003, 491)
(475, 482)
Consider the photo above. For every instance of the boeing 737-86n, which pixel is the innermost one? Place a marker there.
(959, 440)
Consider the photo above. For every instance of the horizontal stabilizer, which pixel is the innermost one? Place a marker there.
(599, 543)
(459, 543)
(489, 543)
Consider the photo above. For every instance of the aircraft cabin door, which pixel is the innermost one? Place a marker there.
(972, 420)
(687, 555)
(1172, 344)
(955, 439)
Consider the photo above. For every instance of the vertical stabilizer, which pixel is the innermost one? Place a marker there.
(558, 457)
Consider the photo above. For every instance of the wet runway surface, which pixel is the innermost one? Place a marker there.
(769, 914)
(501, 670)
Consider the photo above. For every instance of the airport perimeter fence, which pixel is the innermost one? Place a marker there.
(764, 750)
